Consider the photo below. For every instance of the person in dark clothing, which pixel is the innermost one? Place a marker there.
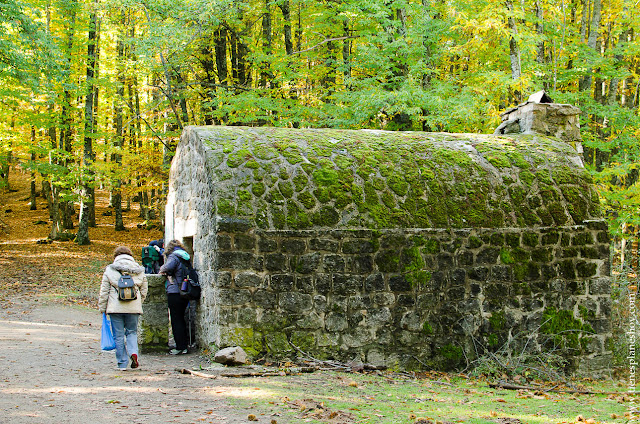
(173, 269)
(158, 245)
(152, 258)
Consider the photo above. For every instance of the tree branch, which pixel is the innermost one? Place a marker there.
(326, 40)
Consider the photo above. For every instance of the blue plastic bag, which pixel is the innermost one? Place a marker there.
(107, 342)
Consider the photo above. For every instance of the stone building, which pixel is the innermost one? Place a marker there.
(398, 248)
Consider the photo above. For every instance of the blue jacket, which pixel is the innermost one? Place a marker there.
(173, 269)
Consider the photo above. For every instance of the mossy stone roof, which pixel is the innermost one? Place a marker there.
(280, 178)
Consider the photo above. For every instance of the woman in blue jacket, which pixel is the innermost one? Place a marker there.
(173, 269)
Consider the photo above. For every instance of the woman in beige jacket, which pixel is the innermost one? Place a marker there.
(123, 313)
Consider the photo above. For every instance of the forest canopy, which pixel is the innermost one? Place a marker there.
(96, 93)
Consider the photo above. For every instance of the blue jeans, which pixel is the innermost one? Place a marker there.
(125, 326)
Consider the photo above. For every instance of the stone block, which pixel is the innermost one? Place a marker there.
(445, 261)
(247, 316)
(358, 337)
(596, 224)
(411, 321)
(387, 260)
(335, 322)
(458, 277)
(333, 263)
(294, 247)
(398, 283)
(406, 300)
(566, 270)
(374, 283)
(456, 293)
(276, 262)
(244, 242)
(586, 269)
(488, 256)
(233, 225)
(295, 302)
(304, 340)
(311, 321)
(604, 237)
(358, 302)
(501, 273)
(324, 245)
(222, 279)
(266, 245)
(360, 264)
(320, 303)
(384, 299)
(223, 242)
(464, 258)
(378, 317)
(344, 284)
(304, 284)
(277, 344)
(234, 297)
(265, 299)
(306, 264)
(248, 279)
(324, 283)
(599, 286)
(282, 282)
(480, 273)
(239, 260)
(357, 247)
(581, 239)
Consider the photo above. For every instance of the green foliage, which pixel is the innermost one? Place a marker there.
(409, 65)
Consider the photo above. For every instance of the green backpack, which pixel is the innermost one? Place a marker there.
(149, 257)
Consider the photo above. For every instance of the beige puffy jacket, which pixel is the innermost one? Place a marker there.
(108, 301)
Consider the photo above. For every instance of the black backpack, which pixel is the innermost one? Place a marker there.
(126, 288)
(190, 285)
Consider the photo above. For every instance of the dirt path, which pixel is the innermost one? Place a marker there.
(53, 371)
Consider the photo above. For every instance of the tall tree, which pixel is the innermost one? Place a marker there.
(82, 236)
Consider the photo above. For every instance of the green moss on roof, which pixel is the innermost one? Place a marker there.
(298, 179)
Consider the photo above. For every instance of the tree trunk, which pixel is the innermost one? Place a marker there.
(116, 196)
(286, 14)
(33, 205)
(594, 31)
(96, 91)
(6, 164)
(299, 28)
(346, 54)
(221, 55)
(540, 32)
(82, 236)
(208, 80)
(266, 76)
(428, 45)
(66, 208)
(514, 51)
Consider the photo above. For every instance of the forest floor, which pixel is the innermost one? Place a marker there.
(54, 371)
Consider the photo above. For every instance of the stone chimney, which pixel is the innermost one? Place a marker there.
(539, 115)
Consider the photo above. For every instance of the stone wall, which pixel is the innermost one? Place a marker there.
(154, 324)
(414, 297)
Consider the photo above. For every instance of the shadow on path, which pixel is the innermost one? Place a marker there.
(53, 371)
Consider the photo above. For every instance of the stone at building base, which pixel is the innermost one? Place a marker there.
(154, 324)
(231, 356)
